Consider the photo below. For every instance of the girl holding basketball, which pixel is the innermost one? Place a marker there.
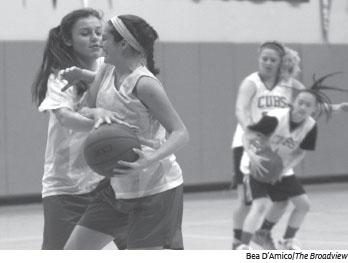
(68, 184)
(272, 87)
(147, 197)
(269, 88)
(289, 132)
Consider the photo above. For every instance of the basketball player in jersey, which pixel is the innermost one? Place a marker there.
(147, 198)
(273, 86)
(293, 132)
(68, 184)
(270, 88)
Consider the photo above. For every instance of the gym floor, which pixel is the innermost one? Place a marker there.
(207, 221)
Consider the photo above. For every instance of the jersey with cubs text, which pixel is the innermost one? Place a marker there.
(265, 100)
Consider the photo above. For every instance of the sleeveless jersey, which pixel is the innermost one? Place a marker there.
(263, 101)
(284, 141)
(161, 176)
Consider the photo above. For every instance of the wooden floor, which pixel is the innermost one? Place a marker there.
(207, 221)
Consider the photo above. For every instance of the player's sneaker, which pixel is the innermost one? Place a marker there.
(263, 238)
(288, 244)
(235, 245)
(243, 247)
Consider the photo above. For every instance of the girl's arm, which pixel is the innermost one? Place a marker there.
(76, 74)
(87, 118)
(91, 93)
(153, 96)
(245, 94)
(340, 107)
(73, 120)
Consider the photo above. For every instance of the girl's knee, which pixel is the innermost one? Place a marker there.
(307, 206)
(259, 206)
(303, 206)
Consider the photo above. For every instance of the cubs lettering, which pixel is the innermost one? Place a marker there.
(272, 102)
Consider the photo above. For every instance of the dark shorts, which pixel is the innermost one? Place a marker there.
(151, 221)
(61, 214)
(288, 187)
(237, 157)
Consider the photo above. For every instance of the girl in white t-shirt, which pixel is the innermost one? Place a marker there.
(68, 184)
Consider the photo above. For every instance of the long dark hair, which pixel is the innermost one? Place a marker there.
(324, 104)
(144, 33)
(57, 55)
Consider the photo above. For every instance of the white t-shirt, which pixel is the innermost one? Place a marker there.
(65, 170)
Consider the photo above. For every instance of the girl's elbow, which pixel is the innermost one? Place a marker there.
(186, 136)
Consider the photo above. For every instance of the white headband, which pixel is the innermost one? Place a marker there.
(124, 32)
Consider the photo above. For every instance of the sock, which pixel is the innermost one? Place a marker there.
(290, 232)
(246, 237)
(267, 225)
(237, 234)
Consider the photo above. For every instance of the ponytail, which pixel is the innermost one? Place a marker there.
(57, 55)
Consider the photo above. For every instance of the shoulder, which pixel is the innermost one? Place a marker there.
(145, 79)
(254, 77)
(311, 121)
(146, 83)
(148, 89)
(104, 71)
(296, 84)
(250, 81)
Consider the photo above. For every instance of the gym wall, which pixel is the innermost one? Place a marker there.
(202, 81)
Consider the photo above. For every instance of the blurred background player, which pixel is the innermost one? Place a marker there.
(271, 87)
(293, 132)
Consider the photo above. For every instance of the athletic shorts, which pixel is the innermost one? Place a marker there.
(287, 188)
(150, 221)
(61, 214)
(237, 157)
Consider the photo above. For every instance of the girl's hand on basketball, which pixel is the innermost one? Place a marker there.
(131, 167)
(112, 119)
(251, 146)
(256, 163)
(102, 116)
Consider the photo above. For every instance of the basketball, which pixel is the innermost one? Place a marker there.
(107, 145)
(274, 166)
